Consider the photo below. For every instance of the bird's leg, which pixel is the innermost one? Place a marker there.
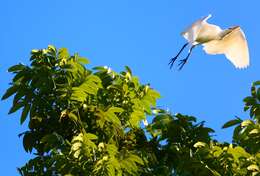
(184, 61)
(174, 58)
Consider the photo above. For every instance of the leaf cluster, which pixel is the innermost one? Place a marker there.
(88, 122)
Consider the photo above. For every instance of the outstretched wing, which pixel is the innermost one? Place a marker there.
(234, 45)
(236, 48)
(214, 47)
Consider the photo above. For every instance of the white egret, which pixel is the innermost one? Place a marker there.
(231, 42)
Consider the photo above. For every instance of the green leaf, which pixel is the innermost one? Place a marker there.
(78, 94)
(34, 51)
(255, 173)
(238, 152)
(135, 80)
(115, 109)
(232, 123)
(136, 159)
(111, 116)
(63, 53)
(153, 93)
(254, 131)
(199, 144)
(15, 107)
(91, 136)
(99, 68)
(253, 91)
(236, 133)
(214, 172)
(16, 68)
(249, 100)
(217, 151)
(256, 83)
(246, 108)
(253, 167)
(25, 112)
(49, 138)
(136, 117)
(258, 93)
(112, 149)
(157, 111)
(27, 142)
(73, 117)
(128, 70)
(90, 86)
(52, 48)
(246, 123)
(50, 141)
(83, 60)
(10, 91)
(22, 75)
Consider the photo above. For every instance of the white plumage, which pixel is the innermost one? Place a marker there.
(231, 42)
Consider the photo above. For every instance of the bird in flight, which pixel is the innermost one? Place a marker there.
(231, 42)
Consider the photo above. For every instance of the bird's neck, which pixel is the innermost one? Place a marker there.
(228, 31)
(205, 39)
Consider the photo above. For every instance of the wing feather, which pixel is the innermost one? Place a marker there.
(233, 45)
(237, 49)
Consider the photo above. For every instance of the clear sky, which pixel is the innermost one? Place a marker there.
(141, 34)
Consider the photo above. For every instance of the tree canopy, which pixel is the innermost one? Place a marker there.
(85, 121)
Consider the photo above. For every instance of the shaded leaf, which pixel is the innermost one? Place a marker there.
(25, 112)
(10, 91)
(232, 123)
(15, 68)
(27, 142)
(249, 100)
(258, 94)
(15, 107)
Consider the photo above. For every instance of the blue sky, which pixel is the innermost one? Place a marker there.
(141, 34)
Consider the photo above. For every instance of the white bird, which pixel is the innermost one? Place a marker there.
(231, 42)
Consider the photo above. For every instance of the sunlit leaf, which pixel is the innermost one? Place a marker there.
(246, 123)
(63, 53)
(253, 167)
(256, 83)
(83, 60)
(73, 117)
(199, 144)
(254, 131)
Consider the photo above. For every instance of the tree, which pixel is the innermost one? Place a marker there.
(88, 122)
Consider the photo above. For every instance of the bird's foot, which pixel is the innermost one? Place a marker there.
(172, 61)
(182, 63)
